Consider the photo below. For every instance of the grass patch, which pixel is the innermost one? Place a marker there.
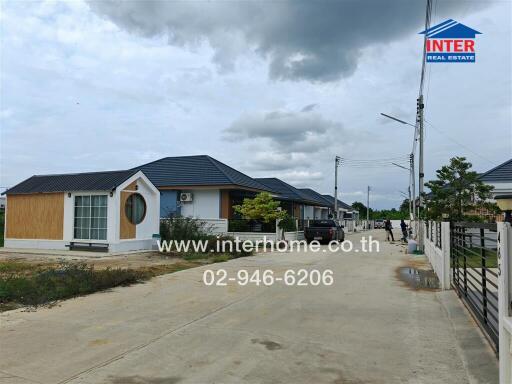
(26, 284)
(474, 260)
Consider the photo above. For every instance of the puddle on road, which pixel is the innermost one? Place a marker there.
(419, 278)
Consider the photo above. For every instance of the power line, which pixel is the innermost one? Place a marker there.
(459, 143)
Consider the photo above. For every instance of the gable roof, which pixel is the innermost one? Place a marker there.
(450, 29)
(341, 204)
(88, 181)
(315, 196)
(284, 190)
(195, 171)
(502, 172)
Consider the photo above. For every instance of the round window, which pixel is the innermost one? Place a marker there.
(135, 208)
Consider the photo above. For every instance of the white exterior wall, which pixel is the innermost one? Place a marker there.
(309, 212)
(501, 188)
(151, 223)
(205, 204)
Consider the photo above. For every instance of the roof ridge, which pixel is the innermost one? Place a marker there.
(214, 163)
(80, 173)
(495, 168)
(166, 157)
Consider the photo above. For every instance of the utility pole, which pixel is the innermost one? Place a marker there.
(368, 208)
(336, 165)
(410, 201)
(413, 182)
(421, 106)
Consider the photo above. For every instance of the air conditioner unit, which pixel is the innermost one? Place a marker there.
(184, 197)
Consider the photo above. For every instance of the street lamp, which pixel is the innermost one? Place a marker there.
(421, 175)
(504, 202)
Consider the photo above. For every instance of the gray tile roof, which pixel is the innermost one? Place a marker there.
(284, 190)
(501, 173)
(316, 197)
(341, 204)
(89, 181)
(195, 170)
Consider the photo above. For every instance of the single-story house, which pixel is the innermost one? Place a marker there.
(111, 211)
(500, 178)
(292, 199)
(320, 210)
(199, 186)
(344, 210)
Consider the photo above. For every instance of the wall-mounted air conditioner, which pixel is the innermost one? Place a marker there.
(185, 197)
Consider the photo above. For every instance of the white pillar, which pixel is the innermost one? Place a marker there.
(504, 295)
(445, 245)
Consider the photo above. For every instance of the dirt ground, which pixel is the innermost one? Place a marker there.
(155, 261)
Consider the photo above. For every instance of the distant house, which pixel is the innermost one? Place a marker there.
(344, 210)
(320, 210)
(199, 186)
(114, 211)
(293, 200)
(500, 178)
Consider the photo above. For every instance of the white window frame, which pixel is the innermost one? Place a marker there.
(74, 217)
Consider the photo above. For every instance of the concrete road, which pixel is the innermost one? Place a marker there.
(368, 327)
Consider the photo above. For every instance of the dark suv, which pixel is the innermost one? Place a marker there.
(324, 230)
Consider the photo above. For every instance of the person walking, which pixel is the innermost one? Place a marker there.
(403, 226)
(389, 230)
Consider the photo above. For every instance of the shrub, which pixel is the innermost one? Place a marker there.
(288, 224)
(184, 228)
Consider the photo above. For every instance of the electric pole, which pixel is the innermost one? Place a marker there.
(336, 165)
(368, 208)
(413, 182)
(421, 171)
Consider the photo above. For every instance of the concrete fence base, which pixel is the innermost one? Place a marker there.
(438, 252)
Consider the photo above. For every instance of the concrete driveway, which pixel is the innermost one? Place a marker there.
(368, 327)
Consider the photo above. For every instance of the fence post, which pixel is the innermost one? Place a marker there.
(445, 247)
(504, 295)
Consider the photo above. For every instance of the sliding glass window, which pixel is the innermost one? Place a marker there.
(90, 217)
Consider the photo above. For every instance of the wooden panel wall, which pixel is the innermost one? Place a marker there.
(35, 216)
(225, 205)
(127, 229)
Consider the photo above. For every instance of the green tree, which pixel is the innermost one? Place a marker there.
(361, 208)
(262, 207)
(404, 207)
(458, 192)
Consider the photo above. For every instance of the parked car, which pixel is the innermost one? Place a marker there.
(379, 223)
(324, 230)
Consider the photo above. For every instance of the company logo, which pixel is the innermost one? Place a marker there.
(450, 42)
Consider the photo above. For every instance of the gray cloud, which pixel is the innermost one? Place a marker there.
(303, 40)
(286, 132)
(309, 107)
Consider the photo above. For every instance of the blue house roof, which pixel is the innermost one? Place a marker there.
(182, 171)
(89, 181)
(341, 204)
(315, 196)
(284, 190)
(501, 173)
(450, 29)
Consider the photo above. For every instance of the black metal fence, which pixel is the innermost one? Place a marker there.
(245, 225)
(474, 265)
(439, 241)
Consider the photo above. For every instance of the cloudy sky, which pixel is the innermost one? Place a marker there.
(272, 88)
